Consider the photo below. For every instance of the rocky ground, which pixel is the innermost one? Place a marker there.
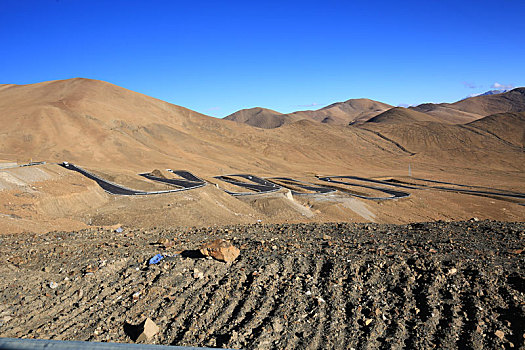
(425, 285)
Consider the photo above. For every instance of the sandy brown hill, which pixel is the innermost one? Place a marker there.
(98, 124)
(261, 118)
(401, 115)
(509, 127)
(340, 113)
(450, 143)
(344, 113)
(477, 107)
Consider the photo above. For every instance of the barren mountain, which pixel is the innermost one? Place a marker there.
(402, 115)
(476, 107)
(344, 113)
(509, 127)
(340, 113)
(496, 140)
(261, 118)
(97, 123)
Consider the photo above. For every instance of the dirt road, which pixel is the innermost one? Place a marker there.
(306, 286)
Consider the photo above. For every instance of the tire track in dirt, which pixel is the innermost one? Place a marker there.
(292, 289)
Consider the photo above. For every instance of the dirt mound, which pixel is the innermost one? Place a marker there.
(427, 285)
(158, 173)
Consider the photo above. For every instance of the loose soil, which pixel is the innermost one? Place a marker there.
(294, 286)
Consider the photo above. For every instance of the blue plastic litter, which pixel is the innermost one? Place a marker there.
(156, 259)
(119, 230)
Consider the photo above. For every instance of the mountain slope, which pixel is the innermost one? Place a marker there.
(98, 124)
(340, 113)
(103, 126)
(509, 127)
(344, 113)
(476, 107)
(401, 115)
(260, 118)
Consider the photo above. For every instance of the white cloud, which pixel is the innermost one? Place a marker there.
(499, 86)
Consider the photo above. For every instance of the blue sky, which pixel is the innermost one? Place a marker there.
(217, 57)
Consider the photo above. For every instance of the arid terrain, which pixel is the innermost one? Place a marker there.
(117, 134)
(425, 285)
(380, 227)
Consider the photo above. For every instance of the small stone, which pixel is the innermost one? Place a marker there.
(198, 274)
(90, 269)
(47, 269)
(326, 237)
(221, 250)
(166, 242)
(141, 332)
(150, 329)
(368, 321)
(500, 334)
(452, 271)
(136, 296)
(278, 327)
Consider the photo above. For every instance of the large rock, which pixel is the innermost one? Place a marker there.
(221, 250)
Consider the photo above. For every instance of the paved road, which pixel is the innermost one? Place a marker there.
(258, 185)
(316, 189)
(491, 191)
(113, 188)
(393, 193)
(186, 175)
(487, 192)
(185, 184)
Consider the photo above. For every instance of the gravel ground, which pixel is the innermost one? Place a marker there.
(306, 286)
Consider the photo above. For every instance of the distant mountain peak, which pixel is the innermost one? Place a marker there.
(490, 92)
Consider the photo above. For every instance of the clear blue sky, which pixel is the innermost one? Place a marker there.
(217, 57)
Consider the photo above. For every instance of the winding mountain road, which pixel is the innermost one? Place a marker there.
(258, 185)
(393, 193)
(116, 189)
(315, 189)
